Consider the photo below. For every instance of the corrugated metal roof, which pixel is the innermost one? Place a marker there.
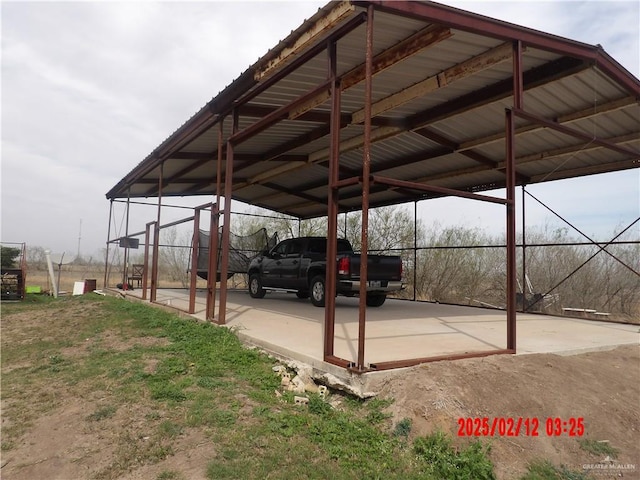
(438, 112)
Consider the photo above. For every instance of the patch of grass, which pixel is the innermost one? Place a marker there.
(403, 428)
(169, 429)
(440, 459)
(317, 405)
(168, 475)
(375, 407)
(135, 450)
(599, 448)
(545, 470)
(203, 378)
(102, 413)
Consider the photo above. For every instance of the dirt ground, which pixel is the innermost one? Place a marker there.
(602, 388)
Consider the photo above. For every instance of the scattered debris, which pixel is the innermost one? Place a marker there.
(322, 391)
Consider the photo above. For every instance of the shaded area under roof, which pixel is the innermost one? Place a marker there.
(442, 80)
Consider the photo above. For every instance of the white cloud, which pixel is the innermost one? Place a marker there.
(89, 89)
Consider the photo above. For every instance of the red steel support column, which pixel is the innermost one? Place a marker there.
(213, 263)
(194, 260)
(366, 170)
(332, 206)
(524, 255)
(106, 255)
(213, 233)
(145, 269)
(156, 240)
(228, 186)
(415, 250)
(126, 248)
(511, 196)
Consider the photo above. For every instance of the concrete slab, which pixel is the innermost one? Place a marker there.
(399, 330)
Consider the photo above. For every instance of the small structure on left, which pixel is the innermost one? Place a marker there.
(14, 270)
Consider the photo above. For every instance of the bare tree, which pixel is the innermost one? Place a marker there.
(174, 255)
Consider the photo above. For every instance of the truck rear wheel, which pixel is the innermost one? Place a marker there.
(255, 286)
(316, 290)
(375, 299)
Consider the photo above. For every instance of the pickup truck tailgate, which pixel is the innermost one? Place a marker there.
(379, 267)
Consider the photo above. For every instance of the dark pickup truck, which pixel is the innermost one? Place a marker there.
(299, 265)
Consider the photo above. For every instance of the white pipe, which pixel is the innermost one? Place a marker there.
(54, 287)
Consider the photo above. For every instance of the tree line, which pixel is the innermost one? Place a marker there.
(450, 264)
(467, 266)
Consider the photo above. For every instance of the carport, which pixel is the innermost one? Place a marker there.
(376, 103)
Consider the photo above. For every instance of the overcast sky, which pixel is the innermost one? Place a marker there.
(91, 88)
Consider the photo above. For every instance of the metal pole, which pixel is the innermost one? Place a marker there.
(125, 270)
(366, 170)
(524, 255)
(228, 186)
(106, 255)
(156, 240)
(194, 261)
(213, 232)
(511, 190)
(145, 269)
(332, 206)
(415, 250)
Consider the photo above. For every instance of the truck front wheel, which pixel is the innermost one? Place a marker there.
(316, 290)
(375, 299)
(255, 286)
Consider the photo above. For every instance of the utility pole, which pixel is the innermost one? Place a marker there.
(79, 238)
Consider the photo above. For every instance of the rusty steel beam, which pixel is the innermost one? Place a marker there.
(417, 361)
(125, 279)
(488, 27)
(524, 252)
(341, 362)
(547, 155)
(392, 182)
(193, 278)
(312, 116)
(274, 117)
(500, 90)
(228, 187)
(332, 206)
(589, 170)
(300, 60)
(177, 178)
(484, 96)
(584, 114)
(485, 60)
(454, 147)
(405, 48)
(427, 37)
(156, 240)
(145, 268)
(573, 133)
(328, 21)
(366, 184)
(212, 271)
